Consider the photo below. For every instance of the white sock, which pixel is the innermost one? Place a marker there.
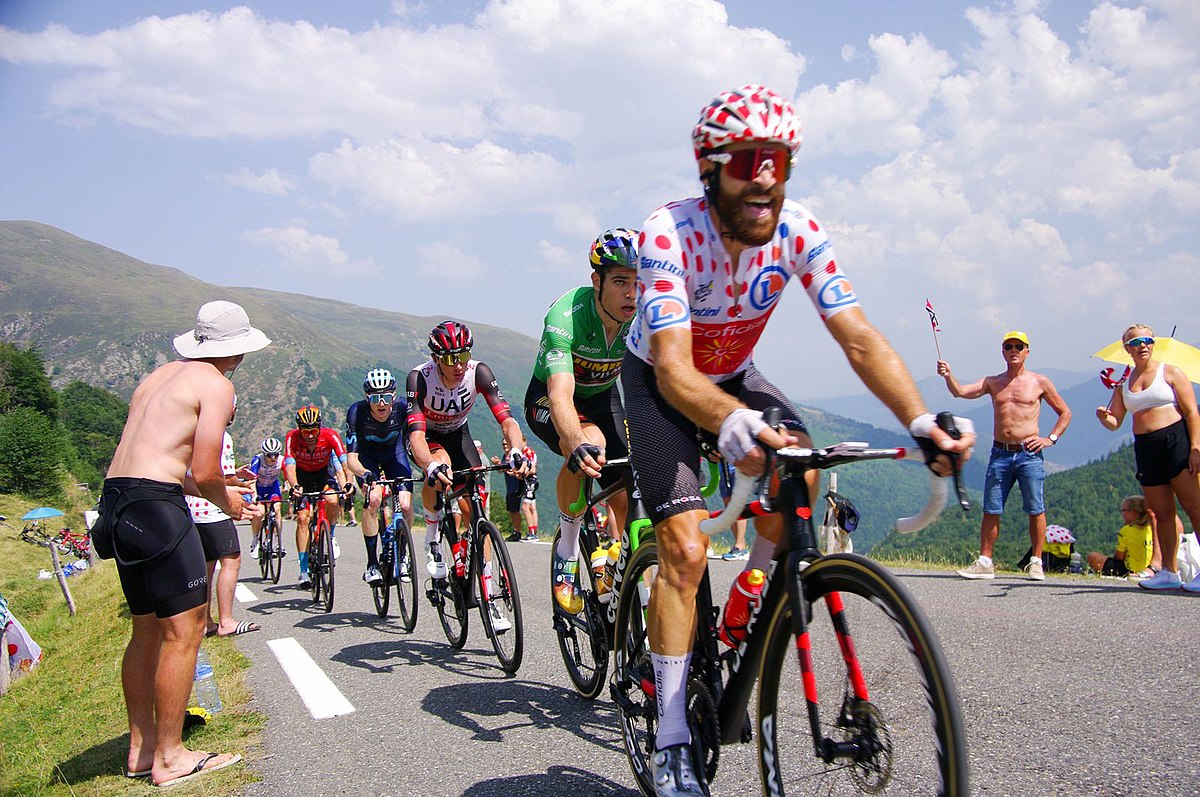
(986, 561)
(670, 687)
(431, 523)
(568, 542)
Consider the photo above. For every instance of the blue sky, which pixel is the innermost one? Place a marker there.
(1022, 164)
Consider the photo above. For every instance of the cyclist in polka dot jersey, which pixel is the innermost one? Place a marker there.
(710, 273)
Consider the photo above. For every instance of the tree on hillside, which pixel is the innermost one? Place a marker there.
(23, 381)
(94, 419)
(31, 453)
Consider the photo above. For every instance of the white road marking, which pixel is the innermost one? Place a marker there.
(243, 594)
(322, 698)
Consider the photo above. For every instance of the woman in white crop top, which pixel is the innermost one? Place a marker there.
(1166, 444)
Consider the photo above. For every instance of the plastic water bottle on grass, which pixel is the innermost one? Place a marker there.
(205, 685)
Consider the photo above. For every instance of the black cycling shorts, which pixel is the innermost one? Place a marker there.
(390, 468)
(160, 560)
(603, 410)
(1161, 455)
(218, 539)
(315, 481)
(459, 445)
(665, 444)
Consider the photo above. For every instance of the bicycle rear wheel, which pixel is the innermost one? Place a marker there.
(325, 574)
(316, 553)
(405, 574)
(581, 637)
(448, 595)
(632, 682)
(907, 738)
(382, 592)
(499, 594)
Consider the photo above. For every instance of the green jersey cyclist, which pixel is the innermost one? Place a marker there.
(572, 402)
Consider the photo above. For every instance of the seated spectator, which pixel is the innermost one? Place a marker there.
(1135, 543)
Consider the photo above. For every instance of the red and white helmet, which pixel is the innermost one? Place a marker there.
(751, 113)
(450, 337)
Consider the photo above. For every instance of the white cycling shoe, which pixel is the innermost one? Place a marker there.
(675, 773)
(434, 564)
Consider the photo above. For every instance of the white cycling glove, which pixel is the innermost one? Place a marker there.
(738, 434)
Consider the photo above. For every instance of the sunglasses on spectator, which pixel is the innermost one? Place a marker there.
(747, 164)
(1018, 346)
(1133, 343)
(454, 358)
(384, 399)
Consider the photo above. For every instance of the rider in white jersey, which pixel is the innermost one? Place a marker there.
(266, 465)
(710, 273)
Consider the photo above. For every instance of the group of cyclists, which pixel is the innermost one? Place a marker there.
(673, 311)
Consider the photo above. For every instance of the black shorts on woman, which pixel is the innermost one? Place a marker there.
(665, 445)
(603, 410)
(160, 560)
(1161, 455)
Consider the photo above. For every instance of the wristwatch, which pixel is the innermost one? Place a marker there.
(1053, 438)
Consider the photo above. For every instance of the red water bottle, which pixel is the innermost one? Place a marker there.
(460, 557)
(744, 597)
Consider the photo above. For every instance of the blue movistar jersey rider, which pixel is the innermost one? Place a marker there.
(380, 445)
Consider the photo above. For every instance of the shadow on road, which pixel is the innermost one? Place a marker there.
(392, 655)
(554, 783)
(521, 704)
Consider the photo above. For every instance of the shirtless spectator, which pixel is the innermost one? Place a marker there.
(177, 419)
(1017, 396)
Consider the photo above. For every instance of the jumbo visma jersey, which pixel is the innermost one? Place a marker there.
(573, 341)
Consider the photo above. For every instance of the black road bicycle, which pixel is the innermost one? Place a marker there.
(585, 638)
(854, 693)
(270, 543)
(397, 556)
(480, 574)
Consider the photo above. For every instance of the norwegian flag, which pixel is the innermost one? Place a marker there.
(933, 322)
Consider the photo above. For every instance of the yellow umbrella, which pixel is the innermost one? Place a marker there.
(1166, 350)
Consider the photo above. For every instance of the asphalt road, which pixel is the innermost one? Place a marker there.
(1070, 687)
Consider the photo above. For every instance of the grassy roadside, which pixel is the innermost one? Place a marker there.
(63, 729)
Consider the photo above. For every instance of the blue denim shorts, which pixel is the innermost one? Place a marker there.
(1005, 467)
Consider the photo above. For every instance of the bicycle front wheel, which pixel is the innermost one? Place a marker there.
(501, 604)
(265, 554)
(581, 636)
(382, 592)
(632, 684)
(447, 594)
(325, 574)
(275, 545)
(888, 710)
(405, 574)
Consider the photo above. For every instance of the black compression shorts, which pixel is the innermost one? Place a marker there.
(664, 443)
(160, 561)
(604, 410)
(458, 444)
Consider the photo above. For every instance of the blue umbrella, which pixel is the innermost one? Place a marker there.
(41, 512)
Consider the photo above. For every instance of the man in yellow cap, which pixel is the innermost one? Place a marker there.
(1017, 396)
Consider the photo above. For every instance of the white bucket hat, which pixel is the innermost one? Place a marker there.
(222, 330)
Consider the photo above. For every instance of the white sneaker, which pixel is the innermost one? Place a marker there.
(337, 551)
(373, 576)
(1034, 571)
(500, 623)
(978, 570)
(434, 564)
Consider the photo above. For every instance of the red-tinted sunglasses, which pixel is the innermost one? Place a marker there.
(747, 164)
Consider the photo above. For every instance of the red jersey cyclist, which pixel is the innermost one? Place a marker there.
(572, 402)
(710, 272)
(441, 392)
(309, 452)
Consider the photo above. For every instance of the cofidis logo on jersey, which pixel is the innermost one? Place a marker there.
(665, 311)
(766, 287)
(836, 292)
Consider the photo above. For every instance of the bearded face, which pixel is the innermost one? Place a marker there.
(748, 211)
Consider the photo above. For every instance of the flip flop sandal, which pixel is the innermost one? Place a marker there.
(244, 627)
(199, 770)
(141, 773)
